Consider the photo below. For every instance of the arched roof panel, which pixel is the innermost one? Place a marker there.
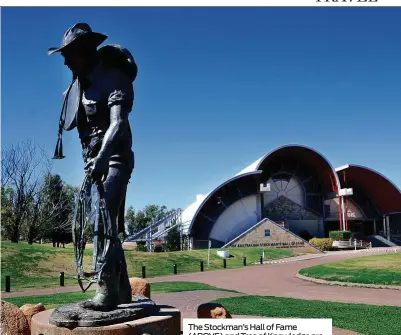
(305, 154)
(191, 212)
(382, 191)
(309, 157)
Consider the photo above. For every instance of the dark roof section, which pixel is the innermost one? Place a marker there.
(383, 192)
(200, 225)
(310, 158)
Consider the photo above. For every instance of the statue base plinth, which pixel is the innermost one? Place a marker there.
(74, 315)
(163, 320)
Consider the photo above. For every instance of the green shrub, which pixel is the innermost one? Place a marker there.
(141, 246)
(338, 235)
(322, 243)
(173, 241)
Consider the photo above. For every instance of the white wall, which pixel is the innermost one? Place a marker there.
(236, 219)
(291, 189)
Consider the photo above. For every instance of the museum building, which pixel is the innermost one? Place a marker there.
(296, 187)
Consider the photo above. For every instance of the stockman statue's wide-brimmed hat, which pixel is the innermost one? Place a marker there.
(79, 31)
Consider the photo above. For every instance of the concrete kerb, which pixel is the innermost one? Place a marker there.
(350, 284)
(386, 249)
(292, 259)
(347, 284)
(332, 253)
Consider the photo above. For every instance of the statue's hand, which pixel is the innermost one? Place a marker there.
(98, 168)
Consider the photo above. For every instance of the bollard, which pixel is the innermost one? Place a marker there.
(224, 263)
(244, 261)
(201, 266)
(175, 269)
(61, 278)
(143, 271)
(261, 260)
(8, 281)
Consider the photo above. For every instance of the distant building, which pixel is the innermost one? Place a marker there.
(298, 188)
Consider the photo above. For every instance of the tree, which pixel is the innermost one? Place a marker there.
(130, 220)
(173, 239)
(6, 212)
(138, 220)
(23, 168)
(155, 213)
(53, 210)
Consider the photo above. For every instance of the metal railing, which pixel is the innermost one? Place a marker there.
(353, 243)
(167, 221)
(158, 231)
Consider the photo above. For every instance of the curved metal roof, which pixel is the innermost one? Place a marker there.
(256, 164)
(190, 213)
(382, 191)
(310, 157)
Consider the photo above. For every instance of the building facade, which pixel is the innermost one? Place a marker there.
(298, 187)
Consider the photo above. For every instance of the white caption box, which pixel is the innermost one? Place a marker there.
(264, 326)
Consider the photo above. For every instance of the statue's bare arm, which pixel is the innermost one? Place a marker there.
(118, 127)
(120, 103)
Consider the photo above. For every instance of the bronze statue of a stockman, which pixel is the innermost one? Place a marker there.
(98, 103)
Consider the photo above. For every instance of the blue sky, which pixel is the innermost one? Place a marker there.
(217, 88)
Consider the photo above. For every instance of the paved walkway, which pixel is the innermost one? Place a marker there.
(76, 288)
(277, 279)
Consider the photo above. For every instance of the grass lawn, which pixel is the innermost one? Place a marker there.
(379, 269)
(364, 319)
(53, 300)
(39, 266)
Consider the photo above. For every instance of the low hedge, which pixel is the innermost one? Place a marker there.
(338, 235)
(322, 243)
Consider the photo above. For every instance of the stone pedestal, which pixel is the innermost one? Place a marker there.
(77, 315)
(165, 320)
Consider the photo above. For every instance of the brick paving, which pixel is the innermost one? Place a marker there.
(279, 280)
(275, 279)
(289, 267)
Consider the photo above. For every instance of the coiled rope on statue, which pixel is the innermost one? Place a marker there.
(91, 215)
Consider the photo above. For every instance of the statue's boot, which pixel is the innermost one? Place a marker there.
(107, 293)
(114, 287)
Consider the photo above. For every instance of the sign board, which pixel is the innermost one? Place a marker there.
(345, 191)
(265, 187)
(292, 244)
